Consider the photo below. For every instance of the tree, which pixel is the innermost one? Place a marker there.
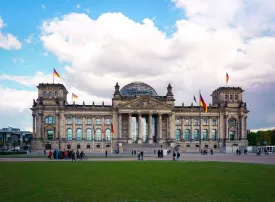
(252, 139)
(1, 143)
(14, 144)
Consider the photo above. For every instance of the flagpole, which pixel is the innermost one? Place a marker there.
(200, 122)
(53, 76)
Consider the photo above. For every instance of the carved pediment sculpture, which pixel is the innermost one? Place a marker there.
(144, 102)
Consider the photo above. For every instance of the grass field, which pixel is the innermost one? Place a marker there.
(136, 181)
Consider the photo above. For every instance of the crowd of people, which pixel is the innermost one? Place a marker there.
(69, 154)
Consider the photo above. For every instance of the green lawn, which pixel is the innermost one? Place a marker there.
(136, 181)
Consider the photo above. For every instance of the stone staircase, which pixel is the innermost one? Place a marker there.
(149, 148)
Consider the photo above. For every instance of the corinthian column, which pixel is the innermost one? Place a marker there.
(130, 141)
(182, 129)
(160, 128)
(119, 126)
(139, 129)
(150, 138)
(33, 126)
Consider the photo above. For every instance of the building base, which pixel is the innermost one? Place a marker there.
(38, 145)
(150, 141)
(139, 141)
(130, 141)
(160, 140)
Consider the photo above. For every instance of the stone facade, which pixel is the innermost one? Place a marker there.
(137, 119)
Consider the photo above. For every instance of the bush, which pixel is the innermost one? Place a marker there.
(10, 153)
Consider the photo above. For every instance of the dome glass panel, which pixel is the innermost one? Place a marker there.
(137, 88)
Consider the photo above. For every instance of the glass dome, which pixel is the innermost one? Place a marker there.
(137, 88)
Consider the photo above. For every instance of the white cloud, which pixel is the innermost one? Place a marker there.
(17, 60)
(43, 6)
(8, 41)
(78, 6)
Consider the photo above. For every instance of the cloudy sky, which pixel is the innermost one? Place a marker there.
(94, 44)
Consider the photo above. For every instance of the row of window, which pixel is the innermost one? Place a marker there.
(50, 94)
(205, 135)
(88, 135)
(89, 121)
(231, 97)
(187, 122)
(51, 120)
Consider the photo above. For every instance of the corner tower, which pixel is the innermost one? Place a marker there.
(227, 96)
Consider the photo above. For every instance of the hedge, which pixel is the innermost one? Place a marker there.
(9, 153)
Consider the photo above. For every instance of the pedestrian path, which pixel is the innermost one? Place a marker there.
(269, 159)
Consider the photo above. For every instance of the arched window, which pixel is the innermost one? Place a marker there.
(232, 122)
(69, 134)
(204, 134)
(45, 94)
(177, 135)
(55, 94)
(50, 120)
(78, 134)
(98, 135)
(89, 134)
(214, 135)
(196, 135)
(50, 94)
(187, 135)
(108, 135)
(196, 122)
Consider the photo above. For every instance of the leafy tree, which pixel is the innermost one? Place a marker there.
(14, 144)
(252, 139)
(1, 143)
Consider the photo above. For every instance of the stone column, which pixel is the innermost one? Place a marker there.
(93, 130)
(120, 126)
(74, 132)
(182, 138)
(192, 128)
(130, 140)
(103, 132)
(160, 128)
(150, 135)
(172, 129)
(139, 129)
(226, 127)
(56, 134)
(83, 128)
(41, 125)
(33, 126)
(243, 134)
(210, 128)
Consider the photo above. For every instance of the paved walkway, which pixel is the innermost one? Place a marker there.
(269, 159)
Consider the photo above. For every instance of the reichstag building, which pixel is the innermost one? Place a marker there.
(138, 115)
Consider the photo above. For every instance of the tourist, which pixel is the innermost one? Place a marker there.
(50, 155)
(211, 152)
(141, 155)
(106, 153)
(73, 156)
(174, 155)
(178, 156)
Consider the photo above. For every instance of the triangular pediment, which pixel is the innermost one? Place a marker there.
(144, 102)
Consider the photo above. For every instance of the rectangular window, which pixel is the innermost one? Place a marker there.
(214, 122)
(98, 121)
(178, 122)
(88, 146)
(231, 97)
(78, 121)
(78, 146)
(50, 134)
(236, 97)
(205, 121)
(108, 121)
(89, 121)
(187, 122)
(69, 121)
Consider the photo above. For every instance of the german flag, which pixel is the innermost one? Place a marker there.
(227, 78)
(203, 104)
(113, 130)
(74, 96)
(55, 73)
